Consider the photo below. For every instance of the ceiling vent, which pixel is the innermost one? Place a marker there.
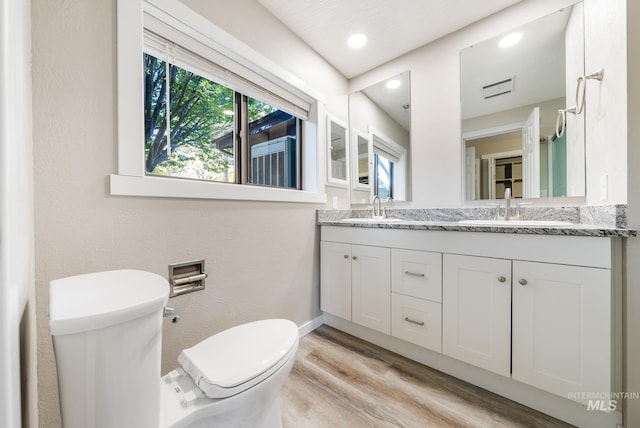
(499, 88)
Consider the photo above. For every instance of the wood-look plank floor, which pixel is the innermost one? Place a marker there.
(341, 381)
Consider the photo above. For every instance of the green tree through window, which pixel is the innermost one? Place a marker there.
(200, 111)
(198, 140)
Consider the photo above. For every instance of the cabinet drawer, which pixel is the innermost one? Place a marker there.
(417, 274)
(417, 321)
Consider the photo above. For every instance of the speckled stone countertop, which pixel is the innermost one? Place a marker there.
(598, 221)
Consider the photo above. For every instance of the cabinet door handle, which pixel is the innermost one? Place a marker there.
(355, 257)
(407, 319)
(406, 272)
(501, 278)
(523, 281)
(346, 256)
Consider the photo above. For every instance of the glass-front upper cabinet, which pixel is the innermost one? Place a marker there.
(337, 152)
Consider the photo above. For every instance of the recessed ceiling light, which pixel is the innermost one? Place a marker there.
(510, 40)
(393, 84)
(357, 40)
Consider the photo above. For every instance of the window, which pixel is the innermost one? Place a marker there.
(389, 167)
(383, 184)
(191, 128)
(201, 115)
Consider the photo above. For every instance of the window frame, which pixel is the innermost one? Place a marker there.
(131, 179)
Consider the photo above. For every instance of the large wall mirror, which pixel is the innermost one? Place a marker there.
(380, 122)
(512, 88)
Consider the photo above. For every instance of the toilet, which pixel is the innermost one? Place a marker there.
(107, 337)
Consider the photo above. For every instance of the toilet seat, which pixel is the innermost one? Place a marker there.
(236, 359)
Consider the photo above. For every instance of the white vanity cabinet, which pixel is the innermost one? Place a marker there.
(355, 283)
(562, 328)
(526, 313)
(476, 318)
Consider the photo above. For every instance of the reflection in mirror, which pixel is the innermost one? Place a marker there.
(379, 117)
(361, 167)
(337, 146)
(510, 99)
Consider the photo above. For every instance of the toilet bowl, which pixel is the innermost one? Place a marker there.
(107, 336)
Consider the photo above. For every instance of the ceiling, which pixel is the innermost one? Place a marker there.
(393, 28)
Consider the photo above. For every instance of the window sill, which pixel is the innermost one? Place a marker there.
(159, 187)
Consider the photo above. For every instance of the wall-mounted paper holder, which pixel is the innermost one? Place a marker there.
(186, 277)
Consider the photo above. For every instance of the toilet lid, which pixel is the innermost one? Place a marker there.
(236, 359)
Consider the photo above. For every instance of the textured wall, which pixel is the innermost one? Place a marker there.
(262, 257)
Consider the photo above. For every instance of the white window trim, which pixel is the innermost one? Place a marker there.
(131, 179)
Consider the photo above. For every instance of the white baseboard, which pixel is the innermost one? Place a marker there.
(308, 327)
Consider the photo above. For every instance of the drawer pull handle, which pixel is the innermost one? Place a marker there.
(406, 272)
(407, 319)
(355, 257)
(523, 281)
(501, 279)
(346, 256)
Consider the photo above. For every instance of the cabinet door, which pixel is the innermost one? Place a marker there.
(371, 287)
(417, 274)
(335, 279)
(562, 327)
(476, 311)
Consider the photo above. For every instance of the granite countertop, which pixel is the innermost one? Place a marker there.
(449, 220)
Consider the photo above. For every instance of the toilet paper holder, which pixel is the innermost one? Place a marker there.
(186, 277)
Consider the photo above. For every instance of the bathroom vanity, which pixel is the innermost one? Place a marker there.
(515, 311)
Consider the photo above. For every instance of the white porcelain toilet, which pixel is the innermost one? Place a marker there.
(107, 336)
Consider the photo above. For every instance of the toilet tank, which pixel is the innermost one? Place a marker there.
(107, 337)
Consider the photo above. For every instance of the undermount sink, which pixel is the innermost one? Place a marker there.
(371, 220)
(516, 223)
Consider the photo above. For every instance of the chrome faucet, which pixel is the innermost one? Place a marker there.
(389, 204)
(508, 215)
(507, 197)
(376, 201)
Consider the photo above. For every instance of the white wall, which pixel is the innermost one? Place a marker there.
(262, 258)
(606, 110)
(435, 100)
